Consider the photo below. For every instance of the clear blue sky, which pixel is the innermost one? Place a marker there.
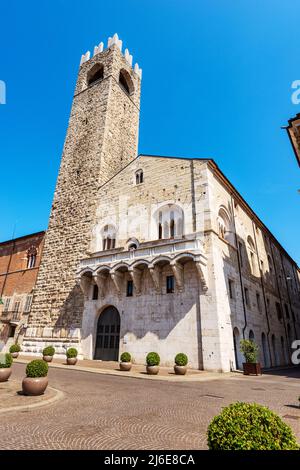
(217, 80)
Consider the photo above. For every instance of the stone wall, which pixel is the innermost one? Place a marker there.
(101, 139)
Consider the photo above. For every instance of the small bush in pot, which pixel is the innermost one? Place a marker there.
(249, 426)
(250, 351)
(125, 361)
(36, 381)
(14, 350)
(72, 356)
(48, 353)
(181, 361)
(6, 361)
(153, 361)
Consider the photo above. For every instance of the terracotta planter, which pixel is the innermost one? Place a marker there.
(47, 358)
(71, 361)
(180, 370)
(34, 385)
(14, 355)
(125, 366)
(5, 373)
(252, 368)
(152, 370)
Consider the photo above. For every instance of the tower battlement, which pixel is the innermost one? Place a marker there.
(113, 41)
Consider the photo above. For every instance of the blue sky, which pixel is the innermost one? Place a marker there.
(216, 83)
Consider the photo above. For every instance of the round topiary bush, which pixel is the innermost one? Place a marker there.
(125, 357)
(37, 368)
(49, 351)
(249, 426)
(72, 352)
(181, 359)
(152, 359)
(6, 360)
(15, 348)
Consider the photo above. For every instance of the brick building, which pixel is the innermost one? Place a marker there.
(19, 264)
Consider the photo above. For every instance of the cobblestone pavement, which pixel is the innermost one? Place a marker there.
(110, 412)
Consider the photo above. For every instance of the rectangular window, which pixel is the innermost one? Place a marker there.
(95, 292)
(258, 301)
(247, 299)
(231, 288)
(170, 284)
(129, 290)
(278, 311)
(28, 303)
(6, 304)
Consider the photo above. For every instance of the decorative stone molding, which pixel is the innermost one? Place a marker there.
(101, 281)
(178, 270)
(118, 280)
(155, 275)
(136, 276)
(201, 268)
(85, 283)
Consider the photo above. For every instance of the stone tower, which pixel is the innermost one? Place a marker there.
(102, 138)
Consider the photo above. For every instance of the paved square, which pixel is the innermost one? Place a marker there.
(110, 412)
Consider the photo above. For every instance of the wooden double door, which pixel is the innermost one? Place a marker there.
(108, 335)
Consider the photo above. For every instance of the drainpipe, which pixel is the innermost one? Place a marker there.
(193, 196)
(239, 265)
(264, 295)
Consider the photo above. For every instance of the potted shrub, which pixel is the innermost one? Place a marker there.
(5, 366)
(249, 426)
(48, 353)
(14, 350)
(36, 380)
(125, 363)
(72, 356)
(250, 350)
(152, 361)
(181, 361)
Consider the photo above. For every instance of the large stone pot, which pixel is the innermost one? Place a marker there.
(5, 373)
(14, 355)
(180, 370)
(71, 361)
(34, 385)
(47, 358)
(125, 366)
(152, 370)
(252, 368)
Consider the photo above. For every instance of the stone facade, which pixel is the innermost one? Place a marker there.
(293, 130)
(101, 139)
(153, 253)
(19, 265)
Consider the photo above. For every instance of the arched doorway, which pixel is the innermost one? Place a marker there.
(108, 335)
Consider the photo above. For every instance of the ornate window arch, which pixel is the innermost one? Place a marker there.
(169, 220)
(225, 225)
(252, 252)
(139, 176)
(108, 234)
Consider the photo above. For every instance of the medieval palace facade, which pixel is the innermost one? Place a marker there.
(148, 253)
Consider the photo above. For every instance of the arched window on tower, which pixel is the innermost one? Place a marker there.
(95, 73)
(31, 257)
(126, 82)
(108, 237)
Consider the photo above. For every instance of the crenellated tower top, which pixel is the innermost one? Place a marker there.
(113, 41)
